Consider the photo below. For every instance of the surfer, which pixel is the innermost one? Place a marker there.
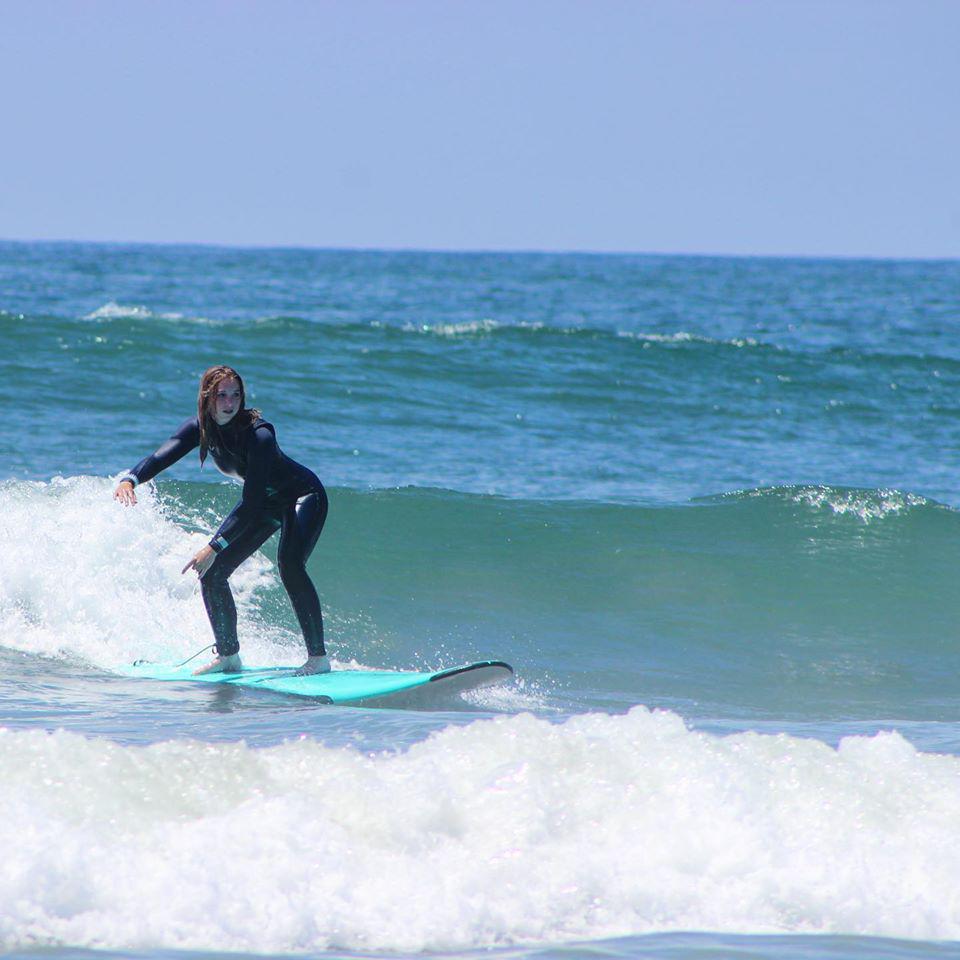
(278, 494)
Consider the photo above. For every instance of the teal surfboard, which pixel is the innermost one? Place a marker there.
(338, 686)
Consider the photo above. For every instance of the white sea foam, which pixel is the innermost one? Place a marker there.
(487, 325)
(865, 505)
(115, 311)
(684, 337)
(507, 831)
(121, 311)
(83, 577)
(466, 328)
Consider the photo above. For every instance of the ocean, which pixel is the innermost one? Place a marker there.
(708, 508)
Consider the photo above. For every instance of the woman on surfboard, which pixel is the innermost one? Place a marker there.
(278, 494)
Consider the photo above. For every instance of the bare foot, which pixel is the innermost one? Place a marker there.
(229, 664)
(313, 666)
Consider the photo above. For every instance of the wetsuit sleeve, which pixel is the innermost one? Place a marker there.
(186, 438)
(262, 453)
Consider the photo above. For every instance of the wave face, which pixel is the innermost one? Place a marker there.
(798, 602)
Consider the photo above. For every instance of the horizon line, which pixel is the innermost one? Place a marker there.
(482, 251)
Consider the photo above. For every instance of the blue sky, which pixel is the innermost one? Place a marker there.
(679, 126)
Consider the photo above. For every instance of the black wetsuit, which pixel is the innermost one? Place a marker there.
(278, 493)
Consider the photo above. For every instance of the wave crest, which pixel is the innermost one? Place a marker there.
(863, 505)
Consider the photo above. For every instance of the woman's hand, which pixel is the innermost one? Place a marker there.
(124, 493)
(202, 560)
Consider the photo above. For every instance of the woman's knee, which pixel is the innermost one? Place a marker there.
(293, 572)
(215, 578)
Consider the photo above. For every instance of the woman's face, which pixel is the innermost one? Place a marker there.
(226, 401)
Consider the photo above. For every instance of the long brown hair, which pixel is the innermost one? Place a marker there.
(209, 428)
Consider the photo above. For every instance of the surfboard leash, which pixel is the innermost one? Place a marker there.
(138, 663)
(197, 654)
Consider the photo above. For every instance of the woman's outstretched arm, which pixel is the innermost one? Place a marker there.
(185, 439)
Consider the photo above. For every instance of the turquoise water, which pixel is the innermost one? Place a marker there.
(706, 507)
